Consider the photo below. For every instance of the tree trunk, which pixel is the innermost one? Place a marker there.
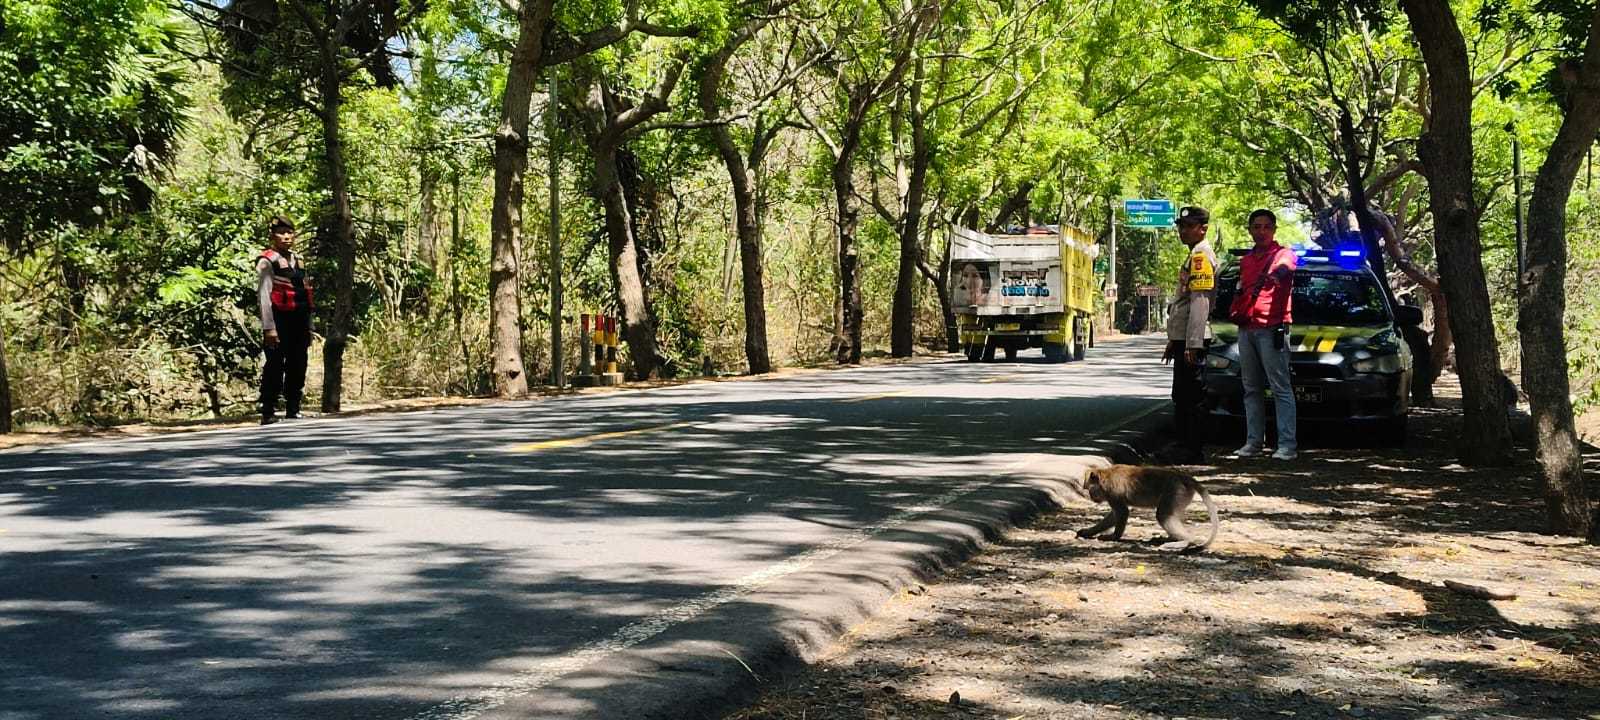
(902, 322)
(1440, 344)
(428, 225)
(858, 102)
(746, 221)
(75, 279)
(636, 324)
(1446, 151)
(1541, 317)
(213, 396)
(608, 122)
(848, 346)
(342, 226)
(430, 221)
(5, 386)
(839, 346)
(469, 377)
(505, 220)
(952, 333)
(861, 96)
(941, 288)
(752, 275)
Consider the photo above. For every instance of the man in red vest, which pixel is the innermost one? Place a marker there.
(1261, 307)
(286, 304)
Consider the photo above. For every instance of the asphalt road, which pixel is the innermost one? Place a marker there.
(522, 559)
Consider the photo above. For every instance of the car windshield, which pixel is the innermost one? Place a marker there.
(1321, 298)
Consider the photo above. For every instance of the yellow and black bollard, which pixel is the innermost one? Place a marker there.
(599, 332)
(611, 344)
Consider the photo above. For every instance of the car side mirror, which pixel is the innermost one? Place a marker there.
(1408, 315)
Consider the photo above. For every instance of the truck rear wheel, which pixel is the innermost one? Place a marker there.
(1055, 352)
(974, 352)
(988, 350)
(1011, 351)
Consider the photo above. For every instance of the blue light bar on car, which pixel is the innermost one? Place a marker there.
(1349, 253)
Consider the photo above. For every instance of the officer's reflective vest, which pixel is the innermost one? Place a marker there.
(291, 291)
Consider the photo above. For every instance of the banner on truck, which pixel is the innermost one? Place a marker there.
(975, 283)
(1030, 283)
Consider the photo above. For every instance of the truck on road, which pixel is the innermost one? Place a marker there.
(1029, 290)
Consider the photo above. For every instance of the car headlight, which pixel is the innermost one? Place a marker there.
(1388, 364)
(1384, 342)
(1220, 362)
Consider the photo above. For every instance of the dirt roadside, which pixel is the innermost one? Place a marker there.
(1323, 598)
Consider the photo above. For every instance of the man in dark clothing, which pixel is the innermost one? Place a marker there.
(1189, 333)
(284, 293)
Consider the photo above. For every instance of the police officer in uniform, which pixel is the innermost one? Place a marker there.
(1189, 332)
(286, 304)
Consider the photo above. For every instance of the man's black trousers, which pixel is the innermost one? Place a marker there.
(285, 372)
(1189, 400)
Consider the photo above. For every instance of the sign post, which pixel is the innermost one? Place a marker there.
(1149, 213)
(1111, 276)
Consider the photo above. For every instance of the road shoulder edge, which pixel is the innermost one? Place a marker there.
(787, 625)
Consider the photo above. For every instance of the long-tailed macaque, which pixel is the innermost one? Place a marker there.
(1168, 491)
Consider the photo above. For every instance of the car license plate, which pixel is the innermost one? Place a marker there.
(1008, 326)
(1307, 394)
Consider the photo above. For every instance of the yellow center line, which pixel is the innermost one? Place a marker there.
(879, 396)
(1003, 378)
(586, 439)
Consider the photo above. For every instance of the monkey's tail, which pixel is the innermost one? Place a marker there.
(1211, 509)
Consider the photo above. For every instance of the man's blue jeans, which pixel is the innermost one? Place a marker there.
(1262, 362)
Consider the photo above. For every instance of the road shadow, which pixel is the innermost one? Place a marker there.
(381, 567)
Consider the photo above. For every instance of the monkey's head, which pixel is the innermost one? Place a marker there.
(1091, 483)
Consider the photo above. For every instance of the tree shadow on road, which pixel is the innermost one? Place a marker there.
(382, 567)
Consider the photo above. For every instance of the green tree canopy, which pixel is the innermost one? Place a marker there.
(91, 100)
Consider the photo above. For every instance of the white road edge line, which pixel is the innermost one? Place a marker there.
(530, 681)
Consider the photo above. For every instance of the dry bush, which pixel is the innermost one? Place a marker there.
(401, 357)
(91, 383)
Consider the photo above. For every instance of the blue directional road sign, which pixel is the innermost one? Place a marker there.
(1148, 213)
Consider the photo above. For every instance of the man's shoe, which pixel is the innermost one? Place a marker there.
(268, 419)
(1285, 454)
(1247, 451)
(297, 415)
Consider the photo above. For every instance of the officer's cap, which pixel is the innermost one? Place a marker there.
(1193, 215)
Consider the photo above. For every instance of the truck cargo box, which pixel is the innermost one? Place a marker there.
(1023, 290)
